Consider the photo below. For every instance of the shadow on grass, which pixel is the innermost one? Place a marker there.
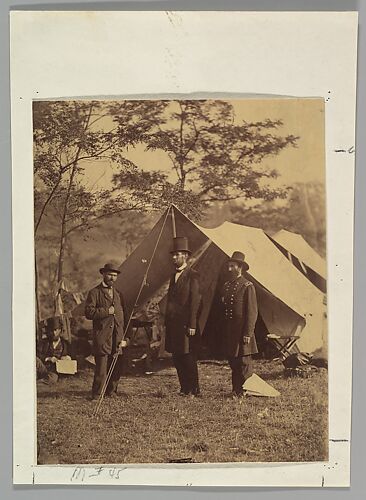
(272, 376)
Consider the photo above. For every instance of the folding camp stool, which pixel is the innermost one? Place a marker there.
(283, 344)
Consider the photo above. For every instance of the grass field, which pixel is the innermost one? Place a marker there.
(150, 423)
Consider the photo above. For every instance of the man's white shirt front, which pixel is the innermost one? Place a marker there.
(178, 272)
(55, 343)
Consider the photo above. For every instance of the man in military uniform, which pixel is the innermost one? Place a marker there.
(181, 318)
(239, 312)
(104, 305)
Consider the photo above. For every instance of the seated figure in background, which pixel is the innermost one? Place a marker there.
(50, 350)
(145, 339)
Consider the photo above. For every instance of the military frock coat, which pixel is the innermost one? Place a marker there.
(182, 312)
(239, 312)
(107, 328)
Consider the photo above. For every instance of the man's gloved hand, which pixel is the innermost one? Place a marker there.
(191, 332)
(111, 310)
(246, 340)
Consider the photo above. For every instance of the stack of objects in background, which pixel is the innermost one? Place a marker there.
(302, 365)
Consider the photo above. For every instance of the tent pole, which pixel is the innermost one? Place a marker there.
(173, 222)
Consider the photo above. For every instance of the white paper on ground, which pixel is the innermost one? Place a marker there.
(256, 386)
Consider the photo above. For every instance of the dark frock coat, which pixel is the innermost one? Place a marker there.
(45, 349)
(107, 328)
(182, 312)
(239, 312)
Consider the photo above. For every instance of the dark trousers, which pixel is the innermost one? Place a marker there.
(187, 370)
(46, 370)
(241, 370)
(102, 365)
(41, 368)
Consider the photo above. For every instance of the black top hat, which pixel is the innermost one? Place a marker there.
(109, 268)
(180, 244)
(54, 323)
(239, 258)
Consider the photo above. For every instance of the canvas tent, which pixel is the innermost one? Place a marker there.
(288, 303)
(303, 257)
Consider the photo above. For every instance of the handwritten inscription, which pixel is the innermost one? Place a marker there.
(350, 150)
(80, 474)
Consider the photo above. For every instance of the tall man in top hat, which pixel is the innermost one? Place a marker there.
(181, 318)
(239, 312)
(104, 305)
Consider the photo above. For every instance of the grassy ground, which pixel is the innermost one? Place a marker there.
(150, 423)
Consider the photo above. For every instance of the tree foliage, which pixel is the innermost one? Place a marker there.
(211, 157)
(214, 157)
(302, 213)
(69, 137)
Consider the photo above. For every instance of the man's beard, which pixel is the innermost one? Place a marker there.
(233, 274)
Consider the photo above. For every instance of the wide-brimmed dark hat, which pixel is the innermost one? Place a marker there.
(180, 244)
(109, 268)
(54, 323)
(239, 258)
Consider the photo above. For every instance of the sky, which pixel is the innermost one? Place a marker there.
(301, 117)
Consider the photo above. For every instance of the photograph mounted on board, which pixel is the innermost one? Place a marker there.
(180, 281)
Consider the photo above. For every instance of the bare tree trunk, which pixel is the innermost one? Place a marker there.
(181, 160)
(64, 233)
(49, 198)
(312, 224)
(63, 239)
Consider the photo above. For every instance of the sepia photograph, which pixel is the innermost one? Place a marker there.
(182, 221)
(180, 268)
